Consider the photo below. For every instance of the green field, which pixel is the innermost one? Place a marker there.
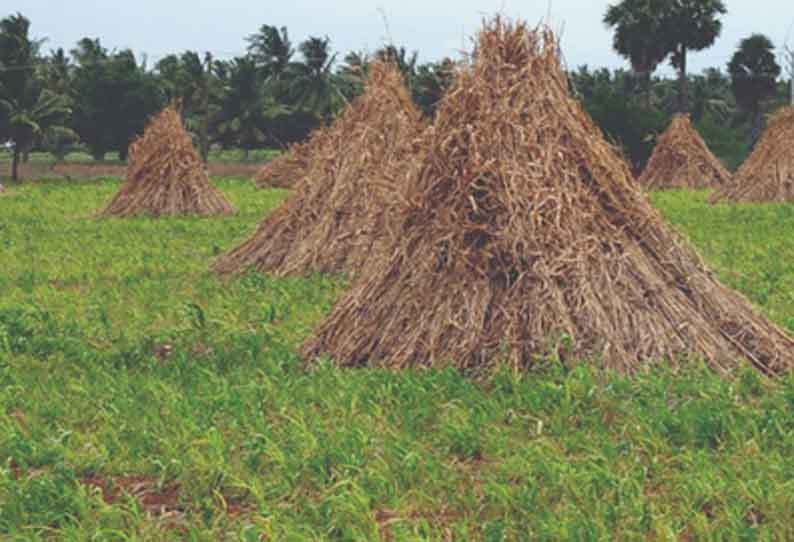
(143, 398)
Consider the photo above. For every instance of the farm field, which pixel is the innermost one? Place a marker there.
(144, 398)
(79, 165)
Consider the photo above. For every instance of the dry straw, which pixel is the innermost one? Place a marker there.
(522, 235)
(165, 176)
(682, 159)
(288, 169)
(335, 216)
(768, 174)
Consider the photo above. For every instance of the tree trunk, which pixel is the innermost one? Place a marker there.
(26, 156)
(646, 90)
(755, 133)
(15, 165)
(683, 83)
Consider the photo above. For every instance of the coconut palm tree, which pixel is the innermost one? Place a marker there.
(246, 107)
(754, 72)
(28, 108)
(30, 116)
(313, 85)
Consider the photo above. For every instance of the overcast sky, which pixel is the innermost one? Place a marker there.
(435, 28)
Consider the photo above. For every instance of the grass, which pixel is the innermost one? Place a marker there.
(142, 398)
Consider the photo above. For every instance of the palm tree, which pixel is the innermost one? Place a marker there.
(648, 31)
(30, 116)
(754, 72)
(351, 74)
(89, 51)
(639, 37)
(29, 109)
(711, 94)
(56, 71)
(271, 50)
(246, 108)
(691, 25)
(313, 85)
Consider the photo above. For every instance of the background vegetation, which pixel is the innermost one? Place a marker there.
(97, 100)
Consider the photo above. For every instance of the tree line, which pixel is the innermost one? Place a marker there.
(275, 94)
(278, 92)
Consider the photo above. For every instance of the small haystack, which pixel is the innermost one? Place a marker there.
(682, 159)
(523, 235)
(286, 170)
(335, 215)
(165, 176)
(768, 174)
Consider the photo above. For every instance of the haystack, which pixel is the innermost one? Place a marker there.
(522, 235)
(165, 176)
(682, 159)
(286, 170)
(768, 174)
(332, 220)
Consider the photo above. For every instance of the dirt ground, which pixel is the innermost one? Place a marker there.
(38, 170)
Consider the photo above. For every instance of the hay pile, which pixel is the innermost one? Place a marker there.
(524, 235)
(165, 176)
(332, 220)
(288, 169)
(682, 159)
(768, 174)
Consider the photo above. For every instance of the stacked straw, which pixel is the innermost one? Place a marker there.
(333, 220)
(768, 174)
(522, 235)
(286, 170)
(165, 176)
(682, 159)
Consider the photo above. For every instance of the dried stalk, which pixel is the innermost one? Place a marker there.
(165, 176)
(522, 234)
(332, 221)
(682, 159)
(768, 174)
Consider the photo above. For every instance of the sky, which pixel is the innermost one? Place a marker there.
(436, 28)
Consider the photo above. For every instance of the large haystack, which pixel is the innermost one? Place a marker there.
(768, 174)
(335, 215)
(286, 170)
(682, 159)
(165, 176)
(523, 235)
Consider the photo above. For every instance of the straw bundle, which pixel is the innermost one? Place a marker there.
(165, 176)
(768, 174)
(522, 235)
(331, 222)
(286, 170)
(682, 159)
